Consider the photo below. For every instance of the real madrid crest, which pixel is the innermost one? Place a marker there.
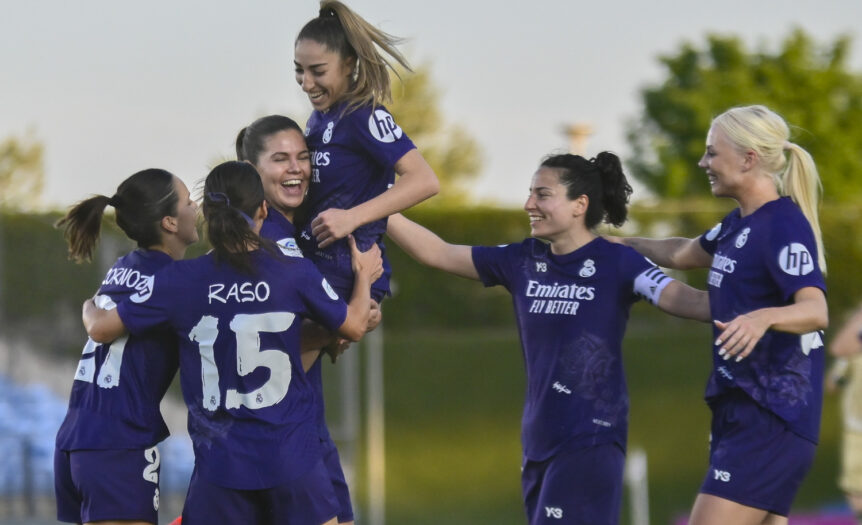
(327, 134)
(742, 238)
(588, 269)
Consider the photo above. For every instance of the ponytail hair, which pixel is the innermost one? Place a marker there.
(250, 140)
(232, 195)
(759, 129)
(141, 201)
(601, 179)
(342, 31)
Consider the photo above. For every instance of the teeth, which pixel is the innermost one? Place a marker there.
(534, 218)
(292, 182)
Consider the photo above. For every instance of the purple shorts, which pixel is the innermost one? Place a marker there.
(308, 500)
(101, 485)
(754, 459)
(580, 486)
(339, 483)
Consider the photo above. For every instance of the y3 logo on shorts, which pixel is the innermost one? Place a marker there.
(722, 475)
(554, 512)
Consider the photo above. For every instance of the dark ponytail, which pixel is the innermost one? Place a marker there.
(601, 179)
(232, 195)
(141, 201)
(250, 140)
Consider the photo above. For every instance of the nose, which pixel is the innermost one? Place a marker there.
(702, 162)
(305, 81)
(530, 204)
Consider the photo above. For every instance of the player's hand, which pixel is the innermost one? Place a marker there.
(375, 316)
(739, 336)
(368, 263)
(331, 225)
(336, 348)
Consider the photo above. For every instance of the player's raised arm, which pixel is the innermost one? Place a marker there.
(429, 249)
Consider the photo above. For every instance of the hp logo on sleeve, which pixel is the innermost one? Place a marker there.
(383, 127)
(795, 259)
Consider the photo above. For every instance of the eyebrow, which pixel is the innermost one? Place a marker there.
(311, 66)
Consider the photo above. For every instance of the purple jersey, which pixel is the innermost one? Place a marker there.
(115, 397)
(251, 408)
(572, 312)
(353, 160)
(277, 228)
(760, 261)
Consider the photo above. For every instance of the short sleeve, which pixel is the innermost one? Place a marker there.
(495, 264)
(379, 136)
(709, 239)
(791, 255)
(142, 314)
(321, 301)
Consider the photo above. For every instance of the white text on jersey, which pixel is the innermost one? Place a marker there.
(239, 293)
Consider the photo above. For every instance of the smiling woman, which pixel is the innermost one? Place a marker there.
(767, 295)
(572, 297)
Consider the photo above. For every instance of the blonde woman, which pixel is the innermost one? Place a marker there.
(767, 297)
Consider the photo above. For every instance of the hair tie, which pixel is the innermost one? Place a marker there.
(217, 196)
(787, 145)
(114, 200)
(327, 12)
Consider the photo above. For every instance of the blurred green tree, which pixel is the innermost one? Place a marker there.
(22, 173)
(449, 149)
(809, 84)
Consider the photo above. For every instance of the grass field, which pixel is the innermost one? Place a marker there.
(453, 406)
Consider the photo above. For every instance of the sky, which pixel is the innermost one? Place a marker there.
(112, 87)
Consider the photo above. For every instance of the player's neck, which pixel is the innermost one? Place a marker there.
(571, 241)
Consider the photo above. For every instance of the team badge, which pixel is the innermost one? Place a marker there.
(327, 134)
(382, 126)
(588, 269)
(289, 247)
(795, 259)
(713, 233)
(742, 238)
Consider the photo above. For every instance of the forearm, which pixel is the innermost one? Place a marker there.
(358, 310)
(427, 248)
(682, 300)
(668, 253)
(416, 182)
(800, 317)
(102, 326)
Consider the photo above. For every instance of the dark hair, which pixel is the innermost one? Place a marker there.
(601, 179)
(141, 201)
(232, 195)
(344, 32)
(249, 141)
